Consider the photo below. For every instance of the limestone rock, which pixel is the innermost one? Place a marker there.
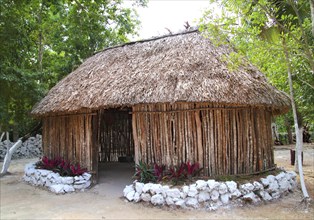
(57, 188)
(287, 176)
(127, 189)
(164, 191)
(284, 185)
(79, 187)
(192, 191)
(137, 197)
(147, 187)
(280, 176)
(273, 187)
(264, 195)
(169, 201)
(251, 197)
(68, 188)
(293, 184)
(223, 189)
(257, 186)
(203, 196)
(212, 185)
(139, 187)
(270, 178)
(192, 202)
(130, 195)
(235, 194)
(157, 199)
(232, 186)
(26, 178)
(185, 189)
(183, 195)
(48, 183)
(174, 193)
(214, 195)
(180, 203)
(79, 179)
(265, 182)
(292, 174)
(67, 180)
(53, 175)
(87, 184)
(224, 198)
(201, 184)
(87, 176)
(275, 195)
(246, 188)
(146, 197)
(155, 189)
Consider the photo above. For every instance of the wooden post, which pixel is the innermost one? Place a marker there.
(199, 138)
(135, 137)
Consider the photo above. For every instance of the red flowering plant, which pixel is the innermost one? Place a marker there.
(192, 170)
(61, 166)
(157, 173)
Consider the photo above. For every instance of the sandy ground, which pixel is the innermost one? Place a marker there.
(19, 200)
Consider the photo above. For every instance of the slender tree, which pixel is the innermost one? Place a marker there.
(274, 36)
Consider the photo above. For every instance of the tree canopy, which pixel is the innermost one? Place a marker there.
(44, 40)
(257, 30)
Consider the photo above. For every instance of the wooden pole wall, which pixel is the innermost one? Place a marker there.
(223, 139)
(72, 138)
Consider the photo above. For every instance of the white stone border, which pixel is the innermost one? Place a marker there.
(54, 182)
(211, 194)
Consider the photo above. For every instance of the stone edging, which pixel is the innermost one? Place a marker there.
(54, 182)
(211, 194)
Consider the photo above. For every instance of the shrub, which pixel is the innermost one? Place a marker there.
(61, 166)
(159, 172)
(192, 169)
(156, 173)
(177, 173)
(144, 173)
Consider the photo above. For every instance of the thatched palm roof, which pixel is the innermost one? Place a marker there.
(185, 67)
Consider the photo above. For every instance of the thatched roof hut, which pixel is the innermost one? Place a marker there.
(184, 101)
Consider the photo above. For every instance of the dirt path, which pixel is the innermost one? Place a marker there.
(21, 201)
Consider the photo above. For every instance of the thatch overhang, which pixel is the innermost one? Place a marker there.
(185, 67)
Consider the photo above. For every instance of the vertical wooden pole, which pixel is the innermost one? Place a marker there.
(199, 138)
(135, 136)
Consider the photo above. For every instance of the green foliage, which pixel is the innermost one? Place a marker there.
(43, 41)
(144, 173)
(256, 29)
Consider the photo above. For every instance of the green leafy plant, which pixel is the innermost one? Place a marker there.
(144, 173)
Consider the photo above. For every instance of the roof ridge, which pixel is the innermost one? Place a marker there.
(150, 39)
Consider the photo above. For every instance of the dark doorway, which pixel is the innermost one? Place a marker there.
(115, 136)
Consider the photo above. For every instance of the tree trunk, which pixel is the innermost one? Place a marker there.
(312, 15)
(298, 128)
(15, 133)
(40, 41)
(289, 130)
(2, 135)
(8, 156)
(10, 151)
